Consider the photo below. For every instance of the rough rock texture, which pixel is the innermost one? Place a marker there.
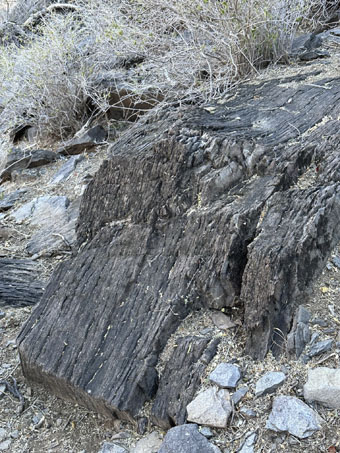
(211, 407)
(269, 383)
(292, 415)
(299, 336)
(226, 375)
(19, 283)
(320, 347)
(109, 447)
(66, 170)
(186, 439)
(181, 379)
(248, 444)
(237, 203)
(323, 386)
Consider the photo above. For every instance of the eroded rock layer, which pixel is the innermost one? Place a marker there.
(237, 203)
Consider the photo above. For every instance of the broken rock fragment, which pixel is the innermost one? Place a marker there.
(323, 386)
(269, 382)
(186, 439)
(226, 375)
(212, 407)
(289, 414)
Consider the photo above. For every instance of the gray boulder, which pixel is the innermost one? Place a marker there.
(186, 439)
(148, 444)
(289, 414)
(323, 386)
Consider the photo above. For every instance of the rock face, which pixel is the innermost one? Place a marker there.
(300, 334)
(291, 415)
(194, 208)
(323, 386)
(212, 407)
(186, 439)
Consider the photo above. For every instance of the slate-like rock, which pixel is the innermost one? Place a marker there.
(249, 443)
(299, 336)
(60, 235)
(323, 386)
(193, 209)
(226, 375)
(320, 347)
(56, 219)
(186, 439)
(84, 141)
(109, 447)
(269, 382)
(247, 412)
(289, 414)
(19, 159)
(211, 407)
(239, 394)
(148, 444)
(20, 283)
(8, 201)
(42, 211)
(187, 364)
(66, 170)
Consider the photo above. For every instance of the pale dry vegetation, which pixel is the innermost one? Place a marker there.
(183, 51)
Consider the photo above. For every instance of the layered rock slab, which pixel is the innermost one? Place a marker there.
(196, 208)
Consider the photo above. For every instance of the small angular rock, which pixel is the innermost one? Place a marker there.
(65, 171)
(8, 201)
(226, 375)
(222, 321)
(186, 439)
(206, 432)
(84, 141)
(248, 444)
(320, 347)
(323, 386)
(289, 414)
(269, 382)
(3, 434)
(211, 407)
(149, 444)
(336, 261)
(247, 412)
(109, 447)
(239, 394)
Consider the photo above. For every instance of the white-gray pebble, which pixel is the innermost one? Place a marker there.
(323, 386)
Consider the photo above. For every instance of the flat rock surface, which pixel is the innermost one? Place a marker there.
(8, 201)
(323, 386)
(186, 439)
(289, 414)
(148, 444)
(211, 407)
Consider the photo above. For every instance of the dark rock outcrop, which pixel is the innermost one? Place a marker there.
(236, 203)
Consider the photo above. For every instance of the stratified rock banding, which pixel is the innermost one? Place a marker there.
(196, 208)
